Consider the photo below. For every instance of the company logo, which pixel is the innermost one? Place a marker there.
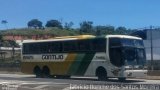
(100, 57)
(52, 57)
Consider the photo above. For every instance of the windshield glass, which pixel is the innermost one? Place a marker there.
(134, 56)
(132, 42)
(126, 52)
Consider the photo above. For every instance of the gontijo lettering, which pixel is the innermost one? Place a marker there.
(52, 57)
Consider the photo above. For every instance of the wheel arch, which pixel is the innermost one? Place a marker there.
(45, 67)
(36, 68)
(100, 69)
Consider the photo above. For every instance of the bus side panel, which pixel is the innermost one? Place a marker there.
(98, 60)
(56, 68)
(80, 65)
(74, 64)
(101, 60)
(27, 67)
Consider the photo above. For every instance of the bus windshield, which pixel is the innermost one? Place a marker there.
(132, 42)
(127, 51)
(133, 56)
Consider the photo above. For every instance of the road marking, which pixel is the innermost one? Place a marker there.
(40, 87)
(67, 88)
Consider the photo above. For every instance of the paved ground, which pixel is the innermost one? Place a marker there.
(29, 82)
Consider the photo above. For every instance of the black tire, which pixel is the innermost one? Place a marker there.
(122, 79)
(38, 72)
(46, 72)
(101, 73)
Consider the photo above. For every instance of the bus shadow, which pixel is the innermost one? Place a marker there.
(108, 80)
(128, 80)
(77, 79)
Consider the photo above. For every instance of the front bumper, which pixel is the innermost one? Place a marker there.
(135, 73)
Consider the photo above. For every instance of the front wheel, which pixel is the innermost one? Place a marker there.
(101, 74)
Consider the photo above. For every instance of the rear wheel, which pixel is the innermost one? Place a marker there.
(46, 72)
(101, 73)
(37, 71)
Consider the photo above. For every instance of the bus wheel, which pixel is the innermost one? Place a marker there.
(37, 71)
(101, 73)
(122, 79)
(46, 72)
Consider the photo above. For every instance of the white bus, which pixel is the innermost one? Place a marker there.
(110, 56)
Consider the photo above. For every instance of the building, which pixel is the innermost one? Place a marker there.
(147, 35)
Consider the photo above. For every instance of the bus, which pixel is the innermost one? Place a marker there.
(110, 56)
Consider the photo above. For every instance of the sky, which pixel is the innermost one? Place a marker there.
(128, 13)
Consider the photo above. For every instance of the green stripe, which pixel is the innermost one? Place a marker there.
(85, 63)
(74, 66)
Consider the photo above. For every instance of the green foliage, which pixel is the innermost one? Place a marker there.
(35, 23)
(68, 26)
(1, 38)
(48, 31)
(54, 23)
(86, 27)
(104, 30)
(55, 28)
(9, 43)
(121, 30)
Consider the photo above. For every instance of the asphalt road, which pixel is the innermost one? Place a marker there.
(29, 82)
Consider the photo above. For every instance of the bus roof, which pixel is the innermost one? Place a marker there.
(80, 37)
(123, 36)
(62, 38)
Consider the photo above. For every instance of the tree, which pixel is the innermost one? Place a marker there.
(35, 23)
(104, 30)
(110, 29)
(5, 23)
(86, 27)
(68, 25)
(121, 30)
(1, 39)
(54, 23)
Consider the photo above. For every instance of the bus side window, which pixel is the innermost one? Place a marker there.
(70, 46)
(84, 46)
(73, 46)
(56, 47)
(33, 48)
(65, 46)
(44, 47)
(49, 47)
(100, 43)
(25, 48)
(114, 42)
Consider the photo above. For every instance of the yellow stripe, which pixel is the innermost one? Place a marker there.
(56, 68)
(61, 68)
